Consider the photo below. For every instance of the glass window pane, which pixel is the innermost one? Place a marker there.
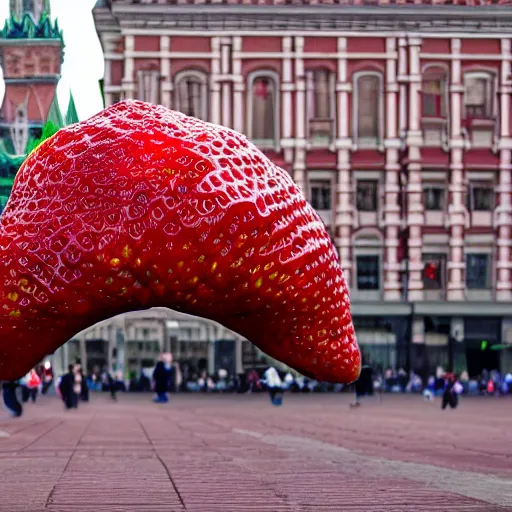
(433, 198)
(483, 198)
(433, 97)
(321, 193)
(434, 271)
(477, 271)
(263, 108)
(478, 96)
(368, 107)
(368, 272)
(366, 195)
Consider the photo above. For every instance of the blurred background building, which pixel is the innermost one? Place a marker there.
(395, 121)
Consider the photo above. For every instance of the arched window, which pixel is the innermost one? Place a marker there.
(191, 94)
(367, 110)
(320, 104)
(148, 86)
(434, 106)
(434, 93)
(263, 108)
(479, 95)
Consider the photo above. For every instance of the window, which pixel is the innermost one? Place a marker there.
(433, 198)
(477, 271)
(478, 95)
(367, 108)
(321, 193)
(368, 272)
(148, 86)
(434, 271)
(320, 104)
(480, 198)
(366, 195)
(263, 109)
(434, 93)
(191, 92)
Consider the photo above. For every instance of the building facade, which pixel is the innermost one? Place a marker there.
(132, 342)
(394, 119)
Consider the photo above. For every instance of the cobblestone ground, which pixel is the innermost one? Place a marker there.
(238, 453)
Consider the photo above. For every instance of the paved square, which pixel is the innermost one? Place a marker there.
(238, 453)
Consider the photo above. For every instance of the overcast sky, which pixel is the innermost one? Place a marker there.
(83, 60)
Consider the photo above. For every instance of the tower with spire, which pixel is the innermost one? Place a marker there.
(31, 51)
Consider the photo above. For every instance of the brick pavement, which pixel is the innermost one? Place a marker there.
(238, 453)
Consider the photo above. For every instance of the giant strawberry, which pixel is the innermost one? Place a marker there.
(140, 206)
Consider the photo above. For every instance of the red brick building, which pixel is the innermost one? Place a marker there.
(395, 119)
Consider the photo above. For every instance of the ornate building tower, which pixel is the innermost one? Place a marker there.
(34, 7)
(31, 50)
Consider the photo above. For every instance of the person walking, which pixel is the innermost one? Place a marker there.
(10, 399)
(451, 393)
(275, 386)
(33, 381)
(161, 377)
(67, 388)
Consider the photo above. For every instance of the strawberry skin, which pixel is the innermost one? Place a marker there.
(141, 206)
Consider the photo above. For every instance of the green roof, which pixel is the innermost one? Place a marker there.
(72, 114)
(27, 28)
(55, 113)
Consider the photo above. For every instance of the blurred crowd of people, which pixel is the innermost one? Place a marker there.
(488, 383)
(168, 377)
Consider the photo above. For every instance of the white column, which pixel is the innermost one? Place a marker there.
(128, 83)
(226, 85)
(504, 210)
(402, 74)
(287, 87)
(415, 217)
(165, 72)
(392, 219)
(238, 86)
(344, 206)
(456, 208)
(299, 165)
(215, 85)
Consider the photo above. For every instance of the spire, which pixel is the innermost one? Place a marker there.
(55, 114)
(72, 114)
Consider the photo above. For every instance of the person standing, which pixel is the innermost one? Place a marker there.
(161, 382)
(274, 384)
(33, 382)
(10, 399)
(451, 393)
(67, 388)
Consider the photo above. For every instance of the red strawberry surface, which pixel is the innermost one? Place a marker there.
(141, 206)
